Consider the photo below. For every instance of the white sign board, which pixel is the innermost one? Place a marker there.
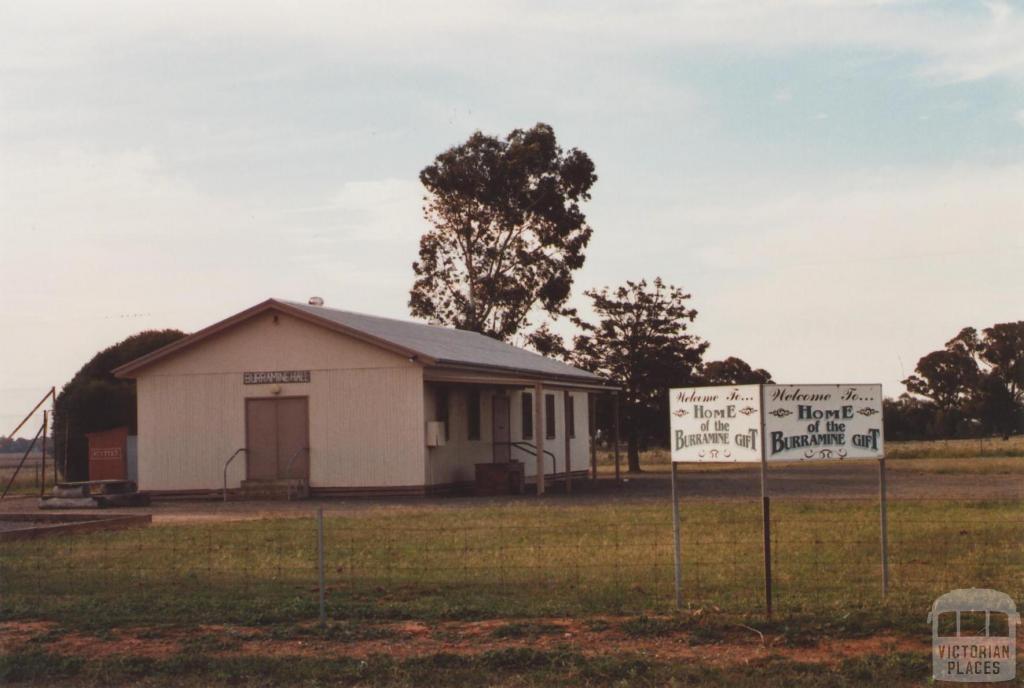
(822, 422)
(716, 423)
(777, 422)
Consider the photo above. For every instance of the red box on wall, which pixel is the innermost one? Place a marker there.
(108, 452)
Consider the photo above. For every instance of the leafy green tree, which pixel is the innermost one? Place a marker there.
(948, 377)
(508, 231)
(975, 380)
(640, 342)
(995, 408)
(95, 400)
(908, 418)
(548, 343)
(1002, 350)
(18, 445)
(732, 371)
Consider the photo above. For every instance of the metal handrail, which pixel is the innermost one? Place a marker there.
(520, 447)
(288, 469)
(226, 463)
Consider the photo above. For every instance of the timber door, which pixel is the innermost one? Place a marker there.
(277, 438)
(261, 439)
(500, 432)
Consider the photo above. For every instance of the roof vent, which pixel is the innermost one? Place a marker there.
(315, 301)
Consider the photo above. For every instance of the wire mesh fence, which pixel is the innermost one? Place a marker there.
(548, 563)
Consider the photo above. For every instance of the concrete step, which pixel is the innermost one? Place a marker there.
(292, 488)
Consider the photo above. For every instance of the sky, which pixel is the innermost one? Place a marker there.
(839, 185)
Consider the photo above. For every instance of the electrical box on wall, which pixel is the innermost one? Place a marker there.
(435, 433)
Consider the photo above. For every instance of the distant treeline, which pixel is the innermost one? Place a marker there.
(972, 387)
(21, 444)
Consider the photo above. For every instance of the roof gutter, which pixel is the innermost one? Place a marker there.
(595, 381)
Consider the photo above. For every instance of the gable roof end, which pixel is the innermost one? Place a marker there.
(431, 345)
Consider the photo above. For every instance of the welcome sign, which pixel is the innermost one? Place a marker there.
(776, 422)
(805, 422)
(716, 423)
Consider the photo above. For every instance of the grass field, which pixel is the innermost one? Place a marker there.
(28, 478)
(983, 456)
(509, 667)
(967, 448)
(223, 589)
(987, 465)
(517, 561)
(517, 593)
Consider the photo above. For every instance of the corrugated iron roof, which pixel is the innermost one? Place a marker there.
(447, 345)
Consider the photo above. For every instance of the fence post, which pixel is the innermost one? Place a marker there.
(67, 438)
(675, 533)
(883, 504)
(615, 422)
(539, 432)
(568, 408)
(42, 468)
(766, 527)
(320, 561)
(592, 427)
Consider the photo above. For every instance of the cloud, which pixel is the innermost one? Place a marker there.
(962, 43)
(99, 245)
(957, 210)
(221, 152)
(376, 210)
(844, 276)
(89, 236)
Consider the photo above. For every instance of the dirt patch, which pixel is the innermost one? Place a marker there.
(591, 637)
(22, 631)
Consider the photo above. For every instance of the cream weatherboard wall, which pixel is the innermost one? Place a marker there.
(579, 446)
(455, 461)
(365, 407)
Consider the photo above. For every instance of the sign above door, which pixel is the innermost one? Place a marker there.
(272, 377)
